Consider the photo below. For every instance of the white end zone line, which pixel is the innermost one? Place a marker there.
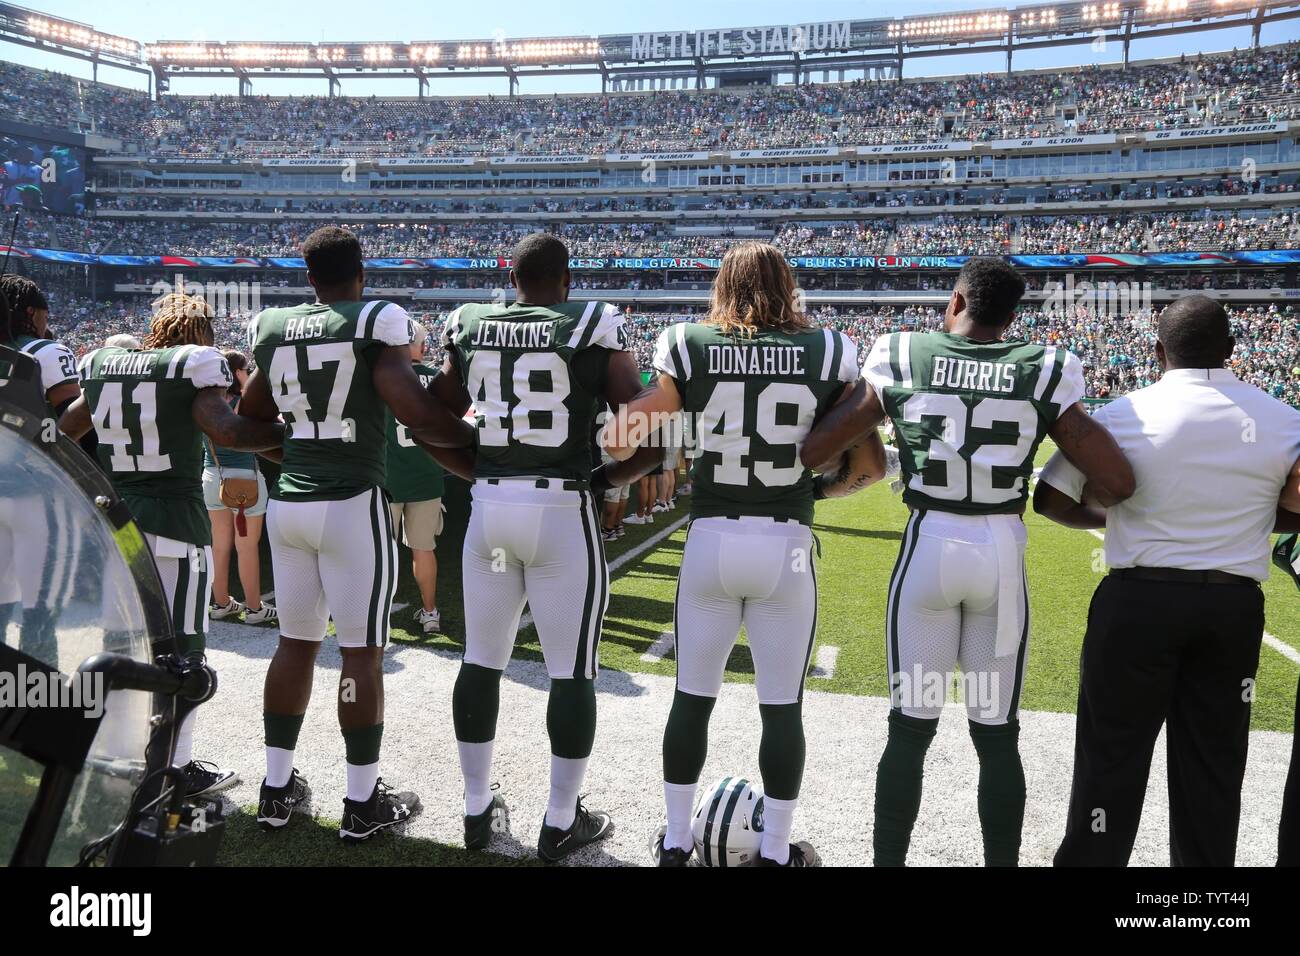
(1282, 647)
(626, 557)
(824, 665)
(659, 649)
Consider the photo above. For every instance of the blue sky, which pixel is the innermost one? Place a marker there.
(407, 20)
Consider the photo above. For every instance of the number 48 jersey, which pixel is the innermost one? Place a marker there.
(970, 415)
(533, 373)
(317, 359)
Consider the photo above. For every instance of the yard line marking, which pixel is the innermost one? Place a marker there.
(824, 666)
(624, 558)
(1282, 647)
(659, 649)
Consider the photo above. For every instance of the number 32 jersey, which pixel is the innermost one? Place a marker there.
(141, 405)
(317, 360)
(751, 402)
(533, 373)
(970, 415)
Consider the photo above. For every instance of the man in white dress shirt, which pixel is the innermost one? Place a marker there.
(1175, 628)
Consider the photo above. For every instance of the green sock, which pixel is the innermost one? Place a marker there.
(1001, 791)
(282, 729)
(361, 744)
(571, 717)
(475, 703)
(781, 752)
(686, 738)
(898, 786)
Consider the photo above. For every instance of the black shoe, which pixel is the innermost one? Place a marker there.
(673, 856)
(480, 827)
(202, 778)
(588, 826)
(275, 805)
(801, 854)
(385, 808)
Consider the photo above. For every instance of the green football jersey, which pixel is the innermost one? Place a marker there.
(750, 403)
(141, 404)
(412, 474)
(969, 415)
(534, 374)
(318, 360)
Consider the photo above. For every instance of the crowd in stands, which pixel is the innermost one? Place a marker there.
(1246, 86)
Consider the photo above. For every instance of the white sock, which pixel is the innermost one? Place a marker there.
(566, 781)
(680, 800)
(361, 780)
(185, 740)
(778, 824)
(476, 768)
(279, 765)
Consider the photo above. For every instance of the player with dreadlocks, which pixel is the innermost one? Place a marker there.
(29, 326)
(151, 408)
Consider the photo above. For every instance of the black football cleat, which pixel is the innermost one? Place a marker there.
(672, 856)
(480, 827)
(275, 805)
(385, 808)
(203, 778)
(588, 826)
(801, 854)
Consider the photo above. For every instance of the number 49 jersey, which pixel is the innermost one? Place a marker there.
(751, 403)
(534, 373)
(141, 406)
(317, 359)
(970, 415)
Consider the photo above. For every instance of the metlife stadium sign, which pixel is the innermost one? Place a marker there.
(795, 38)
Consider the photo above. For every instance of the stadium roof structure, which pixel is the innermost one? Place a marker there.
(679, 57)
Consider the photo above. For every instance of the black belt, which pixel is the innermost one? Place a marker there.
(563, 484)
(1181, 576)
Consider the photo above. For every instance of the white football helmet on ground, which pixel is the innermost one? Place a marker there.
(728, 823)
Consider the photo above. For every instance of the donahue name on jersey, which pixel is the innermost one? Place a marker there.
(533, 373)
(141, 405)
(970, 415)
(318, 360)
(751, 403)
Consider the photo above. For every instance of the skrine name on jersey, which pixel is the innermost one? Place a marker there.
(135, 363)
(755, 359)
(972, 375)
(514, 335)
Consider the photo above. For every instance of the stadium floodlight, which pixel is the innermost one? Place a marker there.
(1103, 12)
(1036, 21)
(424, 53)
(69, 34)
(1156, 9)
(955, 27)
(377, 54)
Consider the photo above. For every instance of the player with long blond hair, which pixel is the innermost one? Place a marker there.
(752, 378)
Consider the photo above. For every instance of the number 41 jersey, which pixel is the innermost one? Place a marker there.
(317, 359)
(534, 373)
(970, 415)
(141, 404)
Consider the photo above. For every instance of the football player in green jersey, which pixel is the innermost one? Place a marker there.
(415, 486)
(151, 410)
(970, 411)
(38, 587)
(330, 367)
(753, 377)
(537, 371)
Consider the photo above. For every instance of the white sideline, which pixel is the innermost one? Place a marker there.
(659, 649)
(824, 666)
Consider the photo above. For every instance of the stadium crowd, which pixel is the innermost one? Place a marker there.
(1244, 86)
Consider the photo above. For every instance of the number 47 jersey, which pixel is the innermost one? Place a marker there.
(970, 415)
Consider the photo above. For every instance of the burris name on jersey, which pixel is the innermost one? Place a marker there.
(973, 375)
